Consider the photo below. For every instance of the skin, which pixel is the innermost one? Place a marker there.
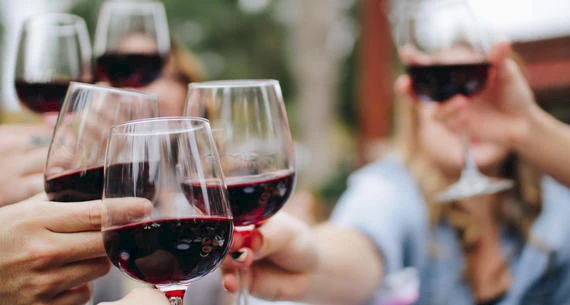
(170, 91)
(294, 261)
(62, 250)
(23, 161)
(507, 114)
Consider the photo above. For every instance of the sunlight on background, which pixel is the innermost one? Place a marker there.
(523, 20)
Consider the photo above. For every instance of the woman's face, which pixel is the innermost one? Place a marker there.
(445, 148)
(168, 87)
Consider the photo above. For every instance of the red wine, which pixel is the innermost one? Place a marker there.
(131, 179)
(42, 97)
(252, 199)
(440, 82)
(169, 251)
(87, 184)
(81, 185)
(129, 70)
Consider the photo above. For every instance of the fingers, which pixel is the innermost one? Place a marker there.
(451, 113)
(78, 295)
(288, 243)
(25, 187)
(141, 296)
(72, 275)
(499, 53)
(409, 55)
(70, 217)
(75, 247)
(272, 286)
(33, 161)
(403, 86)
(16, 138)
(122, 211)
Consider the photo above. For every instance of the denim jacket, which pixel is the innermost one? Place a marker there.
(384, 202)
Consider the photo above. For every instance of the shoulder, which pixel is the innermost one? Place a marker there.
(385, 187)
(388, 172)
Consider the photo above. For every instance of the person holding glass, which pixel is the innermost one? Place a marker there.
(133, 48)
(392, 240)
(516, 119)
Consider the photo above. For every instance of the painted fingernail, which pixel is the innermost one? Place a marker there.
(239, 256)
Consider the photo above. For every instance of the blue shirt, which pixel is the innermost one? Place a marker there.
(384, 202)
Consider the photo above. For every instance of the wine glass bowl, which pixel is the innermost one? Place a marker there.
(252, 134)
(53, 50)
(251, 130)
(171, 165)
(74, 166)
(446, 53)
(132, 42)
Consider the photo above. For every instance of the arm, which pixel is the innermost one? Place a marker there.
(322, 265)
(545, 142)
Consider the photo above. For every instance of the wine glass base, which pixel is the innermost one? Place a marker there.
(474, 186)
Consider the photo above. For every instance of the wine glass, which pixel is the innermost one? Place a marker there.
(132, 42)
(54, 49)
(252, 134)
(186, 231)
(74, 167)
(445, 51)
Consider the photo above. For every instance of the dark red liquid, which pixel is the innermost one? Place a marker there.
(441, 82)
(129, 70)
(41, 97)
(252, 199)
(87, 184)
(131, 180)
(169, 251)
(82, 185)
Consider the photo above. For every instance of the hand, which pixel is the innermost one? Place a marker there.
(501, 113)
(49, 251)
(24, 151)
(280, 259)
(141, 296)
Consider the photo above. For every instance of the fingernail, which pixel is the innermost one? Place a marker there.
(239, 256)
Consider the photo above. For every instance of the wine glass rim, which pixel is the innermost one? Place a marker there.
(74, 84)
(134, 4)
(234, 83)
(64, 19)
(201, 123)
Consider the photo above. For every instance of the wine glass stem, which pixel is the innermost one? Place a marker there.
(469, 166)
(174, 294)
(176, 300)
(243, 294)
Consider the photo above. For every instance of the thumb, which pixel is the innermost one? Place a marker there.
(498, 58)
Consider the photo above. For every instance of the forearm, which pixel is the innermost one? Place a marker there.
(349, 268)
(545, 142)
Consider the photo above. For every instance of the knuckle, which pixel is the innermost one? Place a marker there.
(41, 255)
(95, 215)
(43, 286)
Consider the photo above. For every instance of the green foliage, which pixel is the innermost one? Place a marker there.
(244, 45)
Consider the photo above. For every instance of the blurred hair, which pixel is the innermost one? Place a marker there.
(188, 68)
(518, 208)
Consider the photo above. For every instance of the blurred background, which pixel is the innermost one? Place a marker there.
(335, 62)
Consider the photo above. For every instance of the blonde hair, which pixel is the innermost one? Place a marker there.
(188, 68)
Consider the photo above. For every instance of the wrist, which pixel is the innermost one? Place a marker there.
(526, 127)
